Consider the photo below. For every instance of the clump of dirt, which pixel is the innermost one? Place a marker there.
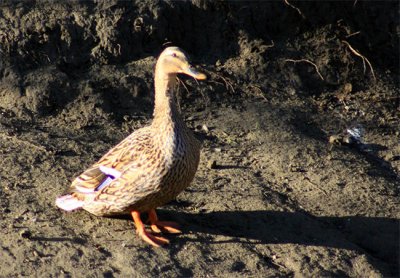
(299, 118)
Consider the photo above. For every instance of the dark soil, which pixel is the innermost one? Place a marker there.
(284, 188)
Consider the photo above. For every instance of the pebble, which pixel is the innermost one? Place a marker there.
(212, 164)
(25, 233)
(257, 174)
(205, 128)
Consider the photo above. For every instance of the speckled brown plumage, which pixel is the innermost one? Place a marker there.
(154, 164)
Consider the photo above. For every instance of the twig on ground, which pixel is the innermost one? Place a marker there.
(363, 58)
(306, 61)
(294, 7)
(316, 185)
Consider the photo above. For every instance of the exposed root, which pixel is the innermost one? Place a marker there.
(226, 82)
(363, 58)
(270, 45)
(294, 7)
(187, 91)
(306, 61)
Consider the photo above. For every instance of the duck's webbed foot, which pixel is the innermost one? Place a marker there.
(156, 241)
(162, 226)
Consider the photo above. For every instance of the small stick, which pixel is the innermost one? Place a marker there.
(363, 58)
(306, 61)
(353, 34)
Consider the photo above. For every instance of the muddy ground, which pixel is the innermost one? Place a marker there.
(283, 188)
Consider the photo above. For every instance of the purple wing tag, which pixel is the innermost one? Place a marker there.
(105, 182)
(111, 174)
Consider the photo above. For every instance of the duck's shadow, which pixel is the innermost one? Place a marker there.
(375, 235)
(279, 227)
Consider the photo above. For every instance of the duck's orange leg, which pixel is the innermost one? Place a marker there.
(156, 241)
(162, 226)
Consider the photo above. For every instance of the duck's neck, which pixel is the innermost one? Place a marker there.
(165, 111)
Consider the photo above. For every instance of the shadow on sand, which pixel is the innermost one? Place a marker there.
(376, 236)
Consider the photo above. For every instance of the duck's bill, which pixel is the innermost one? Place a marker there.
(194, 73)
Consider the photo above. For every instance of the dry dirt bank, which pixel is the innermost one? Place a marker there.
(279, 200)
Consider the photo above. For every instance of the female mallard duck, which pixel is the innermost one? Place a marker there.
(148, 168)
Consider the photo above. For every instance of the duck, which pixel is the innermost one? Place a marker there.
(150, 167)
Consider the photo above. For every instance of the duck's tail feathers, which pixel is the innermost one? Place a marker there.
(68, 203)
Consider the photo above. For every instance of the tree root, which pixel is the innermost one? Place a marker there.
(294, 7)
(363, 58)
(306, 61)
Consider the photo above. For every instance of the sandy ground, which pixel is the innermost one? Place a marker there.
(283, 188)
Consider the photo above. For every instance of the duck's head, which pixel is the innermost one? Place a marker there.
(173, 60)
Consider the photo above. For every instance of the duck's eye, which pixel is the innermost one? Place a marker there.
(174, 55)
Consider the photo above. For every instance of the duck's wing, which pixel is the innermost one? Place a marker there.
(123, 156)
